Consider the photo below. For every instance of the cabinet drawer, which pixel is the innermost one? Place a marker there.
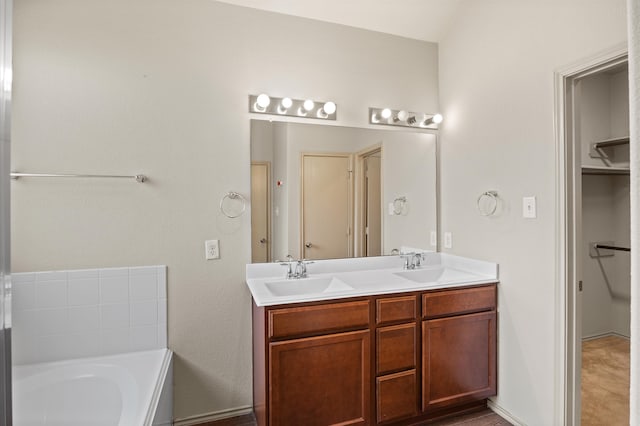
(396, 396)
(460, 301)
(395, 309)
(319, 319)
(395, 348)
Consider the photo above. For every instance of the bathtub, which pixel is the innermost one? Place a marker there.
(131, 389)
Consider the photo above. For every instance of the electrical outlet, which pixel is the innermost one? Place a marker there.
(448, 240)
(434, 238)
(212, 249)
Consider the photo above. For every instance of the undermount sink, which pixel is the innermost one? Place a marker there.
(423, 275)
(295, 287)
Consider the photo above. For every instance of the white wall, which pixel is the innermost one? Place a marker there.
(160, 87)
(496, 75)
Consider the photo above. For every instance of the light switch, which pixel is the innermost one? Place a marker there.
(448, 240)
(529, 207)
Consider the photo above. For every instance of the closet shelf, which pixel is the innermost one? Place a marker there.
(611, 142)
(603, 170)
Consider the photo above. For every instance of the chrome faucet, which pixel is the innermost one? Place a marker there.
(300, 270)
(412, 260)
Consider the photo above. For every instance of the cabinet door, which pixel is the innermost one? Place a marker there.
(323, 380)
(458, 359)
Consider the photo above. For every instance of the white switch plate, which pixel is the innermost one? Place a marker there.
(448, 240)
(434, 238)
(529, 207)
(212, 249)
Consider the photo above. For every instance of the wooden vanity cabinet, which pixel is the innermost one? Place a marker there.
(388, 360)
(458, 346)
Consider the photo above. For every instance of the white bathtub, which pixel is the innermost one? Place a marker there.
(132, 389)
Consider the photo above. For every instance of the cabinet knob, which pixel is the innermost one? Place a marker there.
(308, 245)
(263, 240)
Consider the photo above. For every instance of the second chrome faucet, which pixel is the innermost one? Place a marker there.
(296, 268)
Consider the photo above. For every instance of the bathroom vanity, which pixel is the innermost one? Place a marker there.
(364, 341)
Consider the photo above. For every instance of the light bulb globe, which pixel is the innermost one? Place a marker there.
(386, 113)
(263, 101)
(329, 107)
(308, 105)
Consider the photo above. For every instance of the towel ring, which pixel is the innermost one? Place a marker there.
(231, 195)
(492, 197)
(399, 204)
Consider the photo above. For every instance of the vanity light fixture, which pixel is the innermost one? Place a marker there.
(404, 118)
(265, 104)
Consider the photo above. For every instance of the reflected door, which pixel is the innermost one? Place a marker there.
(326, 206)
(373, 205)
(260, 212)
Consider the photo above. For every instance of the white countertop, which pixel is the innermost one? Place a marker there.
(344, 278)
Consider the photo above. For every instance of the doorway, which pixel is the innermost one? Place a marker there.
(326, 206)
(260, 212)
(594, 220)
(369, 202)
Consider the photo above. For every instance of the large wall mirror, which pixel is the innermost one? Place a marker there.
(325, 192)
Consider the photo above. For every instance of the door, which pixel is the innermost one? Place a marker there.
(5, 141)
(373, 205)
(326, 206)
(323, 380)
(260, 212)
(458, 359)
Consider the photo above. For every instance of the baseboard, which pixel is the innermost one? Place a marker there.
(608, 334)
(504, 413)
(212, 417)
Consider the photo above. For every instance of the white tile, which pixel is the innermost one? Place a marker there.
(23, 296)
(24, 323)
(139, 270)
(22, 277)
(114, 341)
(24, 349)
(51, 276)
(144, 313)
(53, 348)
(143, 338)
(162, 282)
(114, 316)
(143, 287)
(81, 274)
(113, 272)
(82, 345)
(114, 289)
(162, 336)
(162, 311)
(51, 294)
(84, 291)
(51, 321)
(84, 319)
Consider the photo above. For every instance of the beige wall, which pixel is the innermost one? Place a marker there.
(496, 86)
(160, 87)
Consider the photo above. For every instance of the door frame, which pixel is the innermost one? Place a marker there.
(269, 207)
(359, 249)
(568, 178)
(347, 155)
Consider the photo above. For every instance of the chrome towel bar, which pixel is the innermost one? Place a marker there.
(138, 178)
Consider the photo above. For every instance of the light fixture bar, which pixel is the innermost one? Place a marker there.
(301, 108)
(403, 118)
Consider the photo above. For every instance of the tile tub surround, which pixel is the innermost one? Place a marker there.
(91, 312)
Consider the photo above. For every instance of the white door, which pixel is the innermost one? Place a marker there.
(373, 205)
(260, 213)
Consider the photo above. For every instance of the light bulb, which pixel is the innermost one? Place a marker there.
(286, 103)
(308, 105)
(386, 113)
(403, 115)
(263, 101)
(437, 118)
(329, 107)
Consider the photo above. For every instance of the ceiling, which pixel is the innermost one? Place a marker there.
(418, 19)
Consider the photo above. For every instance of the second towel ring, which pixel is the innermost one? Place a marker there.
(492, 200)
(231, 195)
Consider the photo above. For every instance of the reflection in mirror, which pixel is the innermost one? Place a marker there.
(325, 192)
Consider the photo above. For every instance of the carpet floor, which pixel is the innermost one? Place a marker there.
(605, 381)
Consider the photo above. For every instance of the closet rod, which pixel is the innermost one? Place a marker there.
(607, 247)
(138, 178)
